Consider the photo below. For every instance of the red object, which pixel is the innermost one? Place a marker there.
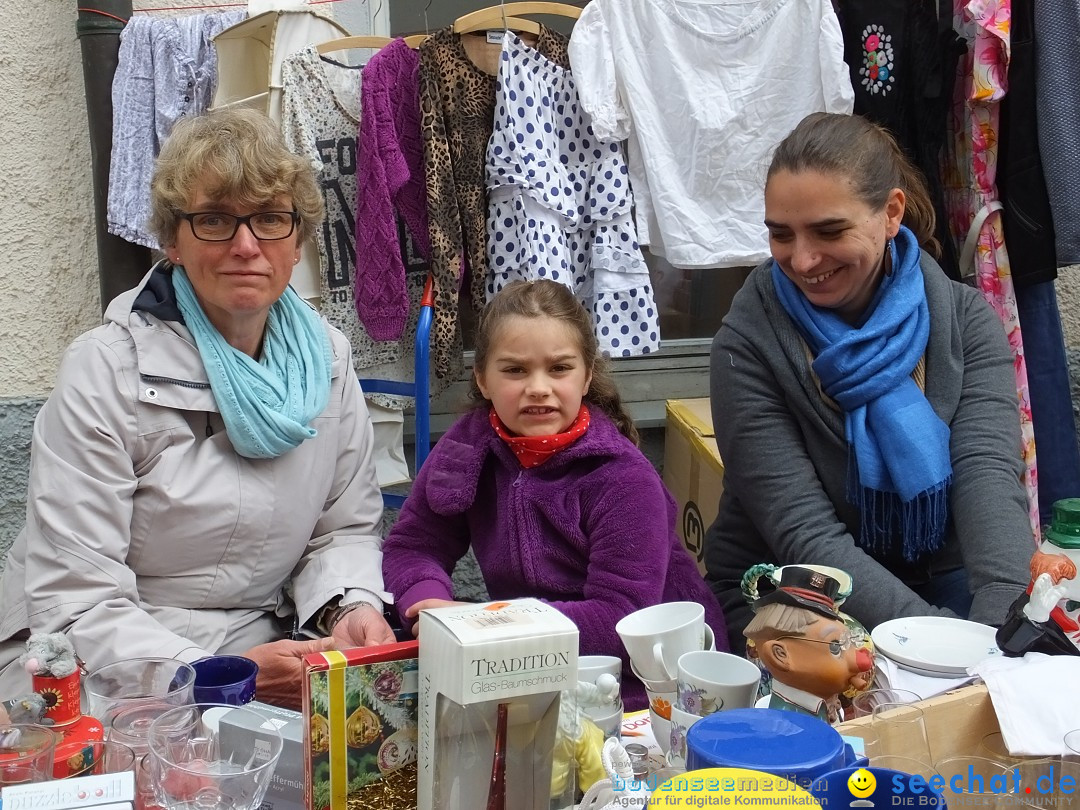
(864, 660)
(70, 756)
(497, 790)
(61, 697)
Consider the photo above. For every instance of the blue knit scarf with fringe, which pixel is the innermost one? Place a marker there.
(266, 404)
(899, 470)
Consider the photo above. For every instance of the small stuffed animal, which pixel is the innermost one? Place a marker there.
(29, 708)
(50, 655)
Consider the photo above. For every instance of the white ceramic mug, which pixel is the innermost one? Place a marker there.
(608, 717)
(660, 705)
(656, 636)
(711, 681)
(680, 724)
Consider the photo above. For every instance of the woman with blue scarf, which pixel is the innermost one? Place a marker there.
(201, 478)
(864, 404)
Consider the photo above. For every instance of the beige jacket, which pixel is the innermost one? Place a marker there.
(146, 533)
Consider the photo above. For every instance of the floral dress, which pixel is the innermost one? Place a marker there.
(971, 194)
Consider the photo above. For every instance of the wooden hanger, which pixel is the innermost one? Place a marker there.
(345, 43)
(414, 40)
(518, 24)
(499, 16)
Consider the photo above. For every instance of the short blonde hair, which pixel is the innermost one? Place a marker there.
(230, 154)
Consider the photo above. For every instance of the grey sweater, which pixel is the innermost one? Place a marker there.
(785, 458)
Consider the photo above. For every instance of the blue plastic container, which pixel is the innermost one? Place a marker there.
(795, 746)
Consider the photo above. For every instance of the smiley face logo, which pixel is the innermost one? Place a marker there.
(861, 783)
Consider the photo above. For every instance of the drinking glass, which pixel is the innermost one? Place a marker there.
(915, 767)
(871, 742)
(863, 704)
(26, 753)
(91, 758)
(131, 726)
(137, 681)
(1072, 746)
(901, 728)
(975, 782)
(196, 765)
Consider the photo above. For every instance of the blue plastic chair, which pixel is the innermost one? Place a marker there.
(419, 389)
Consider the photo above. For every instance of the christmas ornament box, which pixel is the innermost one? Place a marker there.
(360, 727)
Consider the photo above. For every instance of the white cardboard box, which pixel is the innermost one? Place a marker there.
(473, 658)
(108, 791)
(286, 791)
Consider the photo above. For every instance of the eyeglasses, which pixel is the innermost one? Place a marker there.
(267, 226)
(836, 645)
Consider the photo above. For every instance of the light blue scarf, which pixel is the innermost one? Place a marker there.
(266, 404)
(900, 468)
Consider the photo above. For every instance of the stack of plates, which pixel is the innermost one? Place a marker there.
(935, 646)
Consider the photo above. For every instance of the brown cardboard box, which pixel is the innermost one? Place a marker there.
(693, 471)
(955, 722)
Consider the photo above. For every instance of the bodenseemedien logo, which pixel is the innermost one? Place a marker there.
(732, 788)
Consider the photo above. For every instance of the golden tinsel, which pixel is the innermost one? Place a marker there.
(395, 791)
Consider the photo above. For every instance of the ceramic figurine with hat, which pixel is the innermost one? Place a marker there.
(1047, 617)
(803, 642)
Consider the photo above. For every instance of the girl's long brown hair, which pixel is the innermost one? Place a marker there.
(545, 298)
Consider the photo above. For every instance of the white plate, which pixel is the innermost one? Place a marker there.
(936, 643)
(928, 673)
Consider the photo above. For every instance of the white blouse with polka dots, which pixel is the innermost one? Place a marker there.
(559, 203)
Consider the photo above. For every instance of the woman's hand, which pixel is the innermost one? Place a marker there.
(426, 604)
(362, 626)
(281, 670)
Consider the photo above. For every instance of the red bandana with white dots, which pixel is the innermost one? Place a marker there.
(532, 451)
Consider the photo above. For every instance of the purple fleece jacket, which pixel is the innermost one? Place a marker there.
(591, 531)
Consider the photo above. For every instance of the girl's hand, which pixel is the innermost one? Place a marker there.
(426, 604)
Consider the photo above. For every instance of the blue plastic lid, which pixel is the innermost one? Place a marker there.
(789, 744)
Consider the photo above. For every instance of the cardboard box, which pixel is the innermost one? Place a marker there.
(286, 791)
(476, 658)
(360, 714)
(693, 471)
(955, 722)
(109, 791)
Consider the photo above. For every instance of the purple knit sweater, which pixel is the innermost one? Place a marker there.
(390, 182)
(591, 531)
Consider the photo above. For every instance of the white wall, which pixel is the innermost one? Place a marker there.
(48, 260)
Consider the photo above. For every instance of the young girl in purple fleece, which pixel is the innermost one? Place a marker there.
(543, 478)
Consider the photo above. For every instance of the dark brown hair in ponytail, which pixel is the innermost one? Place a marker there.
(545, 298)
(866, 154)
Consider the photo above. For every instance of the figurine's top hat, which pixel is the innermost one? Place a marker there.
(806, 588)
(1064, 530)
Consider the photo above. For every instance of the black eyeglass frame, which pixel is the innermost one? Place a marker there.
(836, 645)
(294, 218)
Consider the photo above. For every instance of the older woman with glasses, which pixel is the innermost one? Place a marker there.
(201, 478)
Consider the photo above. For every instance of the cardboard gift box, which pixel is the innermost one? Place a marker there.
(693, 471)
(360, 712)
(239, 735)
(955, 722)
(492, 675)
